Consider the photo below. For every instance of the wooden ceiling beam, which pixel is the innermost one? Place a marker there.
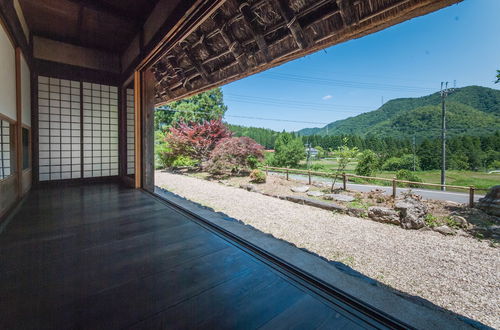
(106, 9)
(349, 16)
(196, 64)
(255, 29)
(233, 45)
(293, 25)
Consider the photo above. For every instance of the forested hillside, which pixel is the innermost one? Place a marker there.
(472, 110)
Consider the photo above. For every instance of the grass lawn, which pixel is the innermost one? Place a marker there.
(480, 180)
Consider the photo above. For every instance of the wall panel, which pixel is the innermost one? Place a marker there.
(7, 76)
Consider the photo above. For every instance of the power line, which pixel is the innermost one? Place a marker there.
(345, 83)
(252, 97)
(249, 117)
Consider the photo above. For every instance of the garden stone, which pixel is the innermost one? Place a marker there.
(460, 221)
(491, 202)
(358, 213)
(249, 187)
(445, 230)
(412, 212)
(383, 214)
(339, 197)
(315, 193)
(301, 189)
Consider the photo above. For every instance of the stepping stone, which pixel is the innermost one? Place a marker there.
(301, 189)
(339, 197)
(315, 193)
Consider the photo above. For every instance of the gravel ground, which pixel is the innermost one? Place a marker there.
(458, 273)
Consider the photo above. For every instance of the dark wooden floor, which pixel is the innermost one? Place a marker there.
(105, 257)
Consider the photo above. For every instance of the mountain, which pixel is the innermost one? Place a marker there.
(471, 110)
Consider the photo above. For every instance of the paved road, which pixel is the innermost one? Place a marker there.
(425, 193)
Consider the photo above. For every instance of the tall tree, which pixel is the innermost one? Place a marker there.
(205, 106)
(289, 150)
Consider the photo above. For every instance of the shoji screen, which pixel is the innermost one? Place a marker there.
(5, 149)
(77, 119)
(130, 133)
(59, 129)
(100, 130)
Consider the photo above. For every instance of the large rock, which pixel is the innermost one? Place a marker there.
(315, 193)
(412, 212)
(339, 197)
(301, 189)
(383, 214)
(491, 202)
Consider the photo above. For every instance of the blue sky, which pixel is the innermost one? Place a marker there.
(461, 43)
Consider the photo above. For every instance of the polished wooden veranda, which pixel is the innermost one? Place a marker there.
(102, 257)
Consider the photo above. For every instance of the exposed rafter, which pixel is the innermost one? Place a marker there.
(232, 44)
(255, 29)
(293, 25)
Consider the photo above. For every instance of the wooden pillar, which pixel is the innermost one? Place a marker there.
(18, 127)
(137, 126)
(344, 181)
(147, 95)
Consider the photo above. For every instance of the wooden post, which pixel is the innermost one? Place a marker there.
(287, 173)
(394, 188)
(309, 173)
(344, 180)
(267, 170)
(471, 196)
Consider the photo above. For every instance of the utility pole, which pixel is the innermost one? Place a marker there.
(444, 94)
(414, 154)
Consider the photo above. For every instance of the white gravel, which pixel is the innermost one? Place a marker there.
(461, 274)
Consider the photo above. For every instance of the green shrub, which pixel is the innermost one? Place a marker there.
(318, 167)
(404, 162)
(184, 161)
(257, 176)
(368, 163)
(431, 220)
(408, 176)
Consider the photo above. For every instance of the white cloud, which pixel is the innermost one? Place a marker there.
(327, 97)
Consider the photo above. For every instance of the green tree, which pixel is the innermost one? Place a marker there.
(201, 107)
(368, 163)
(345, 154)
(498, 77)
(289, 151)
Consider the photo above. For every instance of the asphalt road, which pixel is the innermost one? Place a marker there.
(425, 193)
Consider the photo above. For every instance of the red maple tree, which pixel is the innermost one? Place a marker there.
(196, 140)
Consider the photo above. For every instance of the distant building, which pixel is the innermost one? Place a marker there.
(313, 153)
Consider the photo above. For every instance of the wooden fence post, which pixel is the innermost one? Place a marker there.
(471, 196)
(287, 173)
(344, 179)
(267, 170)
(309, 173)
(394, 188)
